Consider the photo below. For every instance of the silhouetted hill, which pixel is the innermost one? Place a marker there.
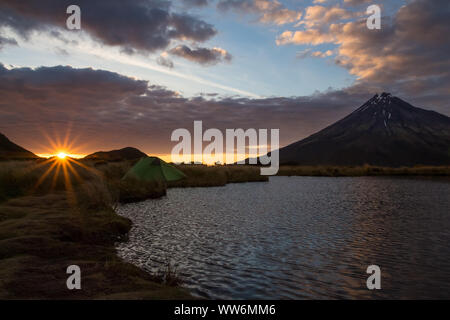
(11, 151)
(117, 155)
(384, 131)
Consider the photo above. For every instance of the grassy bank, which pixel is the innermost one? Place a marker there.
(204, 176)
(41, 236)
(339, 171)
(197, 176)
(103, 180)
(55, 214)
(48, 224)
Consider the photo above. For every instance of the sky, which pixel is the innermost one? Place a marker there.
(138, 70)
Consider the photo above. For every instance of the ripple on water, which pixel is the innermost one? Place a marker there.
(299, 237)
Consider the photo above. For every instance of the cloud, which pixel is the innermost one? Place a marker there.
(58, 35)
(140, 25)
(408, 55)
(310, 36)
(196, 3)
(202, 56)
(315, 54)
(7, 41)
(107, 110)
(268, 11)
(134, 112)
(61, 51)
(164, 61)
(320, 15)
(357, 2)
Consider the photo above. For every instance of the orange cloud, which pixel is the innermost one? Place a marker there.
(268, 11)
(311, 36)
(410, 51)
(321, 15)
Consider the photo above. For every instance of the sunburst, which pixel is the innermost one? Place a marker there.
(61, 164)
(62, 155)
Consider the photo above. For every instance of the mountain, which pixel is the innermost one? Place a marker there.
(11, 151)
(384, 131)
(117, 155)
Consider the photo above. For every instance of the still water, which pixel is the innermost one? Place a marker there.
(299, 238)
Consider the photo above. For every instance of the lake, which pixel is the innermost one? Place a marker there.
(299, 238)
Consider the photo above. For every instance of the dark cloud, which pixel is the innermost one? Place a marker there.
(186, 27)
(138, 25)
(165, 62)
(63, 78)
(58, 35)
(106, 110)
(357, 2)
(195, 3)
(202, 56)
(7, 41)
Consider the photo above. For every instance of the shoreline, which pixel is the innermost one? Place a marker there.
(47, 226)
(44, 228)
(42, 236)
(365, 170)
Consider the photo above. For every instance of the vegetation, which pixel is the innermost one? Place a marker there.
(197, 176)
(48, 224)
(54, 215)
(41, 236)
(204, 176)
(61, 212)
(366, 170)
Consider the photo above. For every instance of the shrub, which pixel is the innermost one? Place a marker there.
(132, 190)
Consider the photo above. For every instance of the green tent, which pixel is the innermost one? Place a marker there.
(154, 169)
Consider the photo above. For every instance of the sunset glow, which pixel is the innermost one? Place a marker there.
(62, 155)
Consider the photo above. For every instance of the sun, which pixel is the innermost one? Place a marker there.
(62, 155)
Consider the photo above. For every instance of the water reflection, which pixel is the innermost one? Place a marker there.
(299, 237)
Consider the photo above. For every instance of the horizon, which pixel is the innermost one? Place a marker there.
(168, 157)
(297, 66)
(64, 149)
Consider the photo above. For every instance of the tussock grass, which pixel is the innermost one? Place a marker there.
(129, 190)
(132, 190)
(241, 173)
(95, 194)
(47, 225)
(200, 176)
(209, 176)
(111, 170)
(40, 236)
(366, 170)
(20, 178)
(49, 221)
(95, 185)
